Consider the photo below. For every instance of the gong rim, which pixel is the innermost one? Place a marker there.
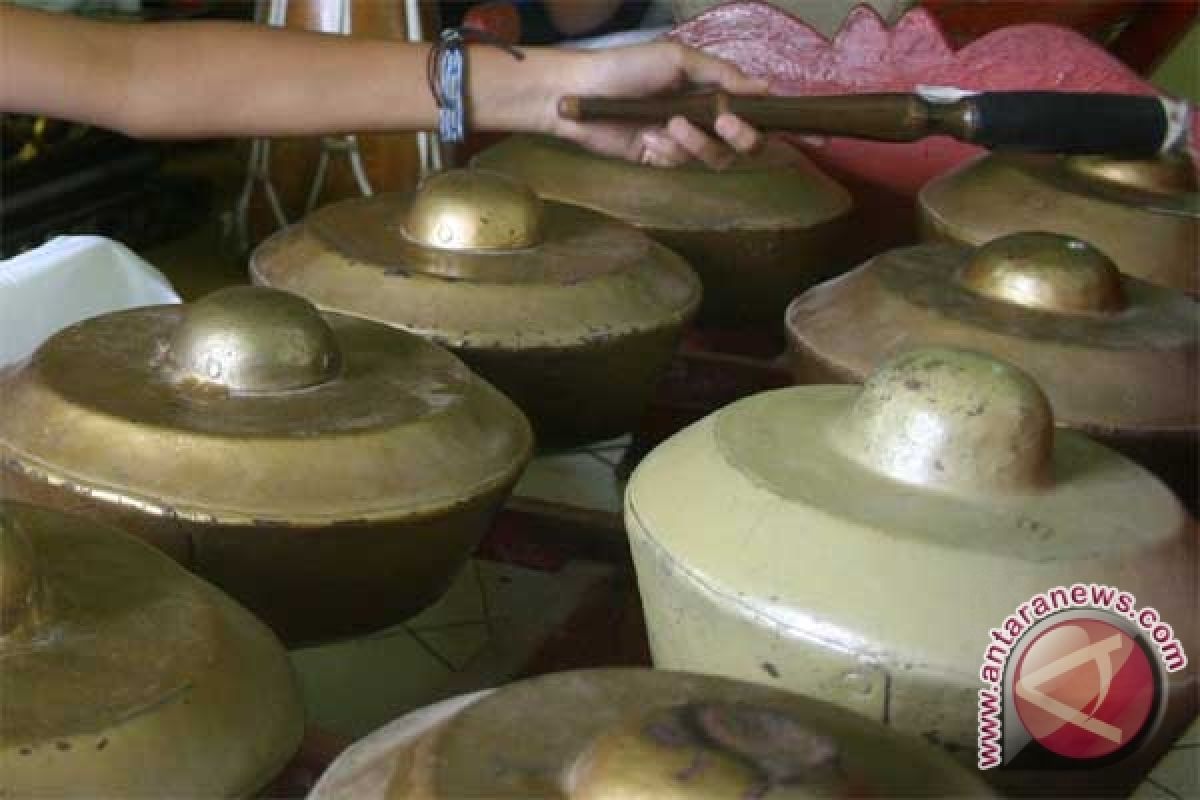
(757, 509)
(1132, 364)
(371, 444)
(556, 296)
(128, 653)
(565, 716)
(1150, 235)
(745, 197)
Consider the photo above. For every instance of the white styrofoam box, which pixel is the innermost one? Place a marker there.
(66, 280)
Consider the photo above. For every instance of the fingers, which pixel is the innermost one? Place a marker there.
(713, 152)
(684, 142)
(703, 68)
(738, 135)
(649, 69)
(672, 147)
(660, 150)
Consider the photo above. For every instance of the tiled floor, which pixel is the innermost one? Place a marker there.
(481, 634)
(584, 478)
(1177, 775)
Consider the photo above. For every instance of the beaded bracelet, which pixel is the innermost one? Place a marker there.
(446, 71)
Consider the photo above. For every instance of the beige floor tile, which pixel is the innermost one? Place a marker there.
(613, 450)
(457, 645)
(1177, 775)
(578, 480)
(461, 603)
(1148, 791)
(1192, 735)
(352, 688)
(526, 607)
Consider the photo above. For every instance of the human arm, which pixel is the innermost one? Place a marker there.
(211, 79)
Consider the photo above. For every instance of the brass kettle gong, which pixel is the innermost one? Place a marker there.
(857, 544)
(756, 233)
(570, 314)
(639, 734)
(1144, 214)
(1119, 358)
(121, 675)
(330, 473)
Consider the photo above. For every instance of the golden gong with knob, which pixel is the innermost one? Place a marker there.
(330, 473)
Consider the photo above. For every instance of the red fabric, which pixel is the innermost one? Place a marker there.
(498, 18)
(866, 56)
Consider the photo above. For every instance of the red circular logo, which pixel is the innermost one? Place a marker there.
(1084, 688)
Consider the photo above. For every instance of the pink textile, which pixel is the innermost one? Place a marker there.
(866, 56)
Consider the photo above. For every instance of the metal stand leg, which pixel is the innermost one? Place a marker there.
(338, 145)
(258, 170)
(429, 146)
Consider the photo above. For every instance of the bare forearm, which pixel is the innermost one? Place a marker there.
(201, 79)
(198, 79)
(214, 79)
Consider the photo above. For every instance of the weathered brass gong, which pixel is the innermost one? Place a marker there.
(755, 233)
(637, 734)
(121, 675)
(330, 473)
(1119, 358)
(569, 313)
(857, 544)
(1145, 215)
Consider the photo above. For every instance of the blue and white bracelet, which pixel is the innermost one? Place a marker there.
(447, 74)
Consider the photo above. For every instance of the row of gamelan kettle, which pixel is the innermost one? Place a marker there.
(330, 455)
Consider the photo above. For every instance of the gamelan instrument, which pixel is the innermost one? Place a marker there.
(639, 733)
(1143, 213)
(1118, 358)
(124, 676)
(1038, 121)
(756, 233)
(330, 473)
(571, 314)
(857, 544)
